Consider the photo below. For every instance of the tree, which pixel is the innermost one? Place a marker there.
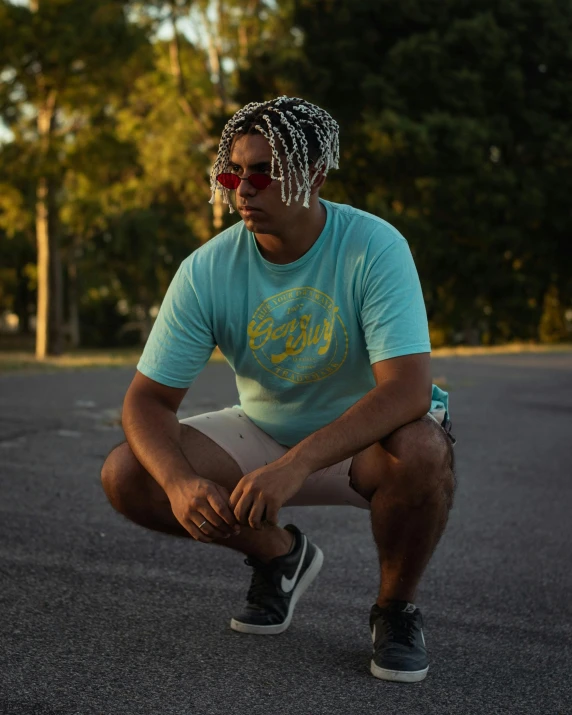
(17, 236)
(455, 127)
(116, 122)
(60, 59)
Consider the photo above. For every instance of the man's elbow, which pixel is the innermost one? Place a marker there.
(422, 402)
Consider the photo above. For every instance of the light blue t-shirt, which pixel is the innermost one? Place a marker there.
(300, 336)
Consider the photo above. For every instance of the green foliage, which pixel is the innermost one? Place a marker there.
(552, 327)
(454, 120)
(455, 128)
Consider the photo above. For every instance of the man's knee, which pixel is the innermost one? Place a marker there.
(118, 475)
(423, 460)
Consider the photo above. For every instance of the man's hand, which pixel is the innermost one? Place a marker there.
(267, 488)
(196, 500)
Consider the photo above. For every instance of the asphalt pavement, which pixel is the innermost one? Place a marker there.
(99, 616)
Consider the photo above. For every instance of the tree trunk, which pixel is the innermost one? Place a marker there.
(177, 73)
(56, 341)
(245, 26)
(42, 237)
(215, 51)
(73, 299)
(22, 298)
(48, 312)
(218, 209)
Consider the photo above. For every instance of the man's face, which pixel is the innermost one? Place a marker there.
(263, 211)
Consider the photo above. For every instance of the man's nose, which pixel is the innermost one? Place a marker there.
(245, 189)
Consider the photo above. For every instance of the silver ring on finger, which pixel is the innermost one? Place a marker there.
(201, 525)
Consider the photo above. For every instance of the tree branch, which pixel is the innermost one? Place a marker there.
(177, 73)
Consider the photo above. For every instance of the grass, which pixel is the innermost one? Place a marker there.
(509, 349)
(24, 361)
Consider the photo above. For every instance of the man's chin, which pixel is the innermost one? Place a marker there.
(253, 222)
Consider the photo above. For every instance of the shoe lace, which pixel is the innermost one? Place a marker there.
(261, 585)
(398, 627)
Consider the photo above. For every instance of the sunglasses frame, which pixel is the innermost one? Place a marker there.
(236, 179)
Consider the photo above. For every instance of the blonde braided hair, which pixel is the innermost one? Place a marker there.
(308, 136)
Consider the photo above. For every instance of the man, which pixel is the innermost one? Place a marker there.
(318, 309)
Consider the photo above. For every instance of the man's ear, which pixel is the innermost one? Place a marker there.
(318, 181)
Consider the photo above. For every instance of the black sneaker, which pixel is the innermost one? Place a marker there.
(399, 651)
(276, 587)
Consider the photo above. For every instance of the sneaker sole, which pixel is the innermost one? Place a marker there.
(398, 676)
(311, 572)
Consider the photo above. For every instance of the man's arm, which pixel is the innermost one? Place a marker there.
(153, 432)
(402, 395)
(178, 348)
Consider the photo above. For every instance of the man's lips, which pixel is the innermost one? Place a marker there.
(247, 209)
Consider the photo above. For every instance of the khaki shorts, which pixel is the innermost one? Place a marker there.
(251, 448)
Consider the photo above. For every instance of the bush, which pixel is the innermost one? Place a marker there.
(101, 324)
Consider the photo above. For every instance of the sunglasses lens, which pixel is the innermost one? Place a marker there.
(229, 181)
(260, 181)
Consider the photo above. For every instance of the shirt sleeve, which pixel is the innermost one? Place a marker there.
(393, 314)
(181, 340)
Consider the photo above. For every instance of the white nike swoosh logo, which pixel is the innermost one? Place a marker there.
(288, 583)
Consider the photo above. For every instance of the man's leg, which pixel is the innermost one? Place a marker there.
(409, 480)
(133, 492)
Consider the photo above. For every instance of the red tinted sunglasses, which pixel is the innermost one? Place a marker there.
(232, 181)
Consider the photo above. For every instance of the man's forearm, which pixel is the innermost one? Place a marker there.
(153, 433)
(379, 413)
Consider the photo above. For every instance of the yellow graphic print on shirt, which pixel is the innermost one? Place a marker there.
(298, 335)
